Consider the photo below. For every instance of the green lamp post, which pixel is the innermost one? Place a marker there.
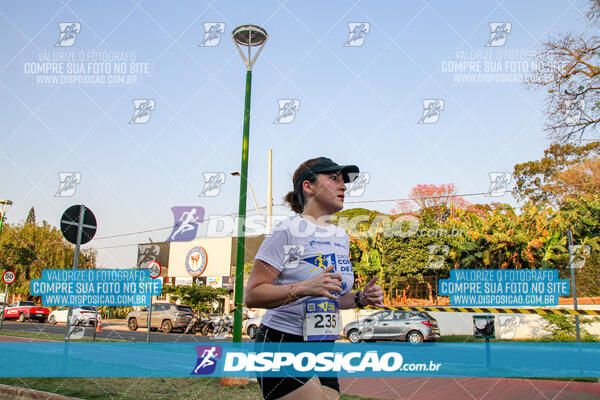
(248, 36)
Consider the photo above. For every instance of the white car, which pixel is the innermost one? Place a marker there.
(84, 315)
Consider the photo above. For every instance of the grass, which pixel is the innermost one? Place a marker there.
(144, 388)
(133, 388)
(49, 336)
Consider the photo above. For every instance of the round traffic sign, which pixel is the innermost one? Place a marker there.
(9, 277)
(154, 268)
(70, 223)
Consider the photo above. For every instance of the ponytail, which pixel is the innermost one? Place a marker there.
(296, 199)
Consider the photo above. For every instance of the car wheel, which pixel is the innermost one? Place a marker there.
(166, 326)
(21, 317)
(132, 324)
(42, 321)
(252, 329)
(414, 337)
(354, 336)
(52, 320)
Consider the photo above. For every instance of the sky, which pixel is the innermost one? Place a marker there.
(73, 73)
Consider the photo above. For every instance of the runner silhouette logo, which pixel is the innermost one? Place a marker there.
(208, 357)
(185, 223)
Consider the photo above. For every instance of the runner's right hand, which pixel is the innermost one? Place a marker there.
(324, 283)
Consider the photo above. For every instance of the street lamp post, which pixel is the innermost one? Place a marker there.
(5, 204)
(237, 173)
(249, 36)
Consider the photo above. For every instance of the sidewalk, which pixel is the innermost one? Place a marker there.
(469, 388)
(116, 324)
(20, 393)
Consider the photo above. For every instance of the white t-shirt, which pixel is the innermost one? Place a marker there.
(300, 250)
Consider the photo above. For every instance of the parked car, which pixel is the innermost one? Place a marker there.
(166, 316)
(251, 326)
(84, 315)
(23, 310)
(412, 326)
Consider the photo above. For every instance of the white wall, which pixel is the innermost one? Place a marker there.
(218, 251)
(508, 326)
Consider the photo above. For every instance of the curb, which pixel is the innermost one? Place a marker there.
(19, 393)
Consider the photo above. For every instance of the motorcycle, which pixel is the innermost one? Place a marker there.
(222, 327)
(198, 324)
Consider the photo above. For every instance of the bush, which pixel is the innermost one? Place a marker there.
(114, 312)
(562, 328)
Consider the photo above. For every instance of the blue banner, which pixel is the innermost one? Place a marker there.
(503, 287)
(300, 359)
(98, 287)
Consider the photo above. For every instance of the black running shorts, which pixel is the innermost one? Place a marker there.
(274, 388)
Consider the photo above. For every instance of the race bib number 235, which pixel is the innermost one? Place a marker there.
(321, 320)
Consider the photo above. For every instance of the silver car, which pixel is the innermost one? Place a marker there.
(412, 326)
(165, 316)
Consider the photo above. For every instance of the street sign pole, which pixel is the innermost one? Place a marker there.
(152, 275)
(4, 304)
(78, 226)
(573, 285)
(75, 261)
(8, 277)
(149, 320)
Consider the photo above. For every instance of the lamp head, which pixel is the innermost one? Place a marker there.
(249, 35)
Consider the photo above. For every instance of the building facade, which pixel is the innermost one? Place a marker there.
(205, 261)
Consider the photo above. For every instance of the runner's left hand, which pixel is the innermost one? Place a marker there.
(372, 294)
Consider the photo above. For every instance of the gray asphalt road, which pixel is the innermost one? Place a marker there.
(107, 333)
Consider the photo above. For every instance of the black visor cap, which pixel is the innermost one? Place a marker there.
(349, 172)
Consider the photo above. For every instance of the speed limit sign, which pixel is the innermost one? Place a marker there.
(154, 269)
(9, 277)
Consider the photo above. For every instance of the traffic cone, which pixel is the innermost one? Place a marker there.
(99, 326)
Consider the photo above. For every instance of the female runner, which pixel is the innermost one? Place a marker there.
(305, 261)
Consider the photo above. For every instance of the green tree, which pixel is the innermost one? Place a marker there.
(31, 216)
(397, 248)
(199, 297)
(582, 215)
(27, 249)
(503, 239)
(564, 170)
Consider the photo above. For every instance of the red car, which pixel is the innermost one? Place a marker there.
(22, 310)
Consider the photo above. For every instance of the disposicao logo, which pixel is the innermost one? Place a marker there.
(352, 362)
(207, 359)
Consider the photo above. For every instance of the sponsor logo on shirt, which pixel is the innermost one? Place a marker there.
(321, 261)
(314, 243)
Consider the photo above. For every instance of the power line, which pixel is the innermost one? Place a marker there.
(347, 202)
(160, 229)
